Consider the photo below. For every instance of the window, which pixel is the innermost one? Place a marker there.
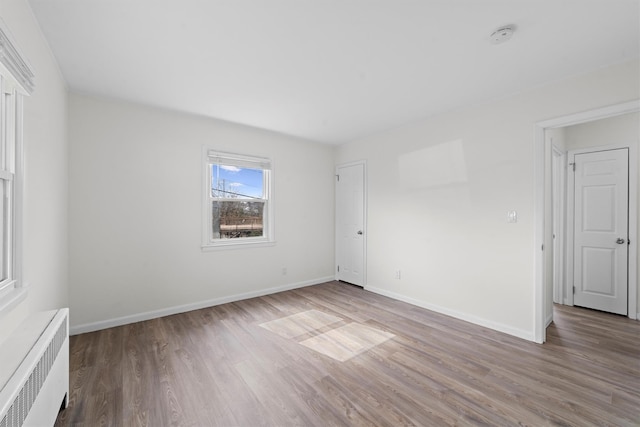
(7, 180)
(16, 81)
(237, 207)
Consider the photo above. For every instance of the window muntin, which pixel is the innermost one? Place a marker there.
(238, 202)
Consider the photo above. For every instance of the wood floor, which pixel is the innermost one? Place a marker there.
(232, 365)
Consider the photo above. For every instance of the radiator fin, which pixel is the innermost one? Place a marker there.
(18, 411)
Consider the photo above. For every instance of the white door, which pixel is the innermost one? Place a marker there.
(601, 203)
(350, 221)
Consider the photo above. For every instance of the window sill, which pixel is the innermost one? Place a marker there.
(12, 298)
(212, 247)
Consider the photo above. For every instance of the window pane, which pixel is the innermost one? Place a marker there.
(233, 219)
(236, 183)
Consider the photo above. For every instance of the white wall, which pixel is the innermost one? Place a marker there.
(452, 242)
(623, 129)
(135, 214)
(613, 130)
(46, 176)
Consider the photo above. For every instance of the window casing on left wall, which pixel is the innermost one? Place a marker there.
(16, 82)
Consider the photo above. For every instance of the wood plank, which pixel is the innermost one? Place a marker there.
(219, 366)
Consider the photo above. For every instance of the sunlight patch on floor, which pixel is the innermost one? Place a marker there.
(341, 343)
(300, 323)
(347, 341)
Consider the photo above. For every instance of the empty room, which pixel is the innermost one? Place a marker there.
(319, 213)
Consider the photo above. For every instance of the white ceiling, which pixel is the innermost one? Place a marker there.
(329, 70)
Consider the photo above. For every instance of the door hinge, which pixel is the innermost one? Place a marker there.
(338, 178)
(573, 166)
(574, 290)
(338, 269)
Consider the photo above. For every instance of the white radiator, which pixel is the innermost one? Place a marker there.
(34, 371)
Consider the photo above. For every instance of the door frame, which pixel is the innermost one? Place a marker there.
(364, 220)
(539, 327)
(632, 219)
(559, 209)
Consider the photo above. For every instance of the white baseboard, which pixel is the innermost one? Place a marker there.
(154, 314)
(500, 327)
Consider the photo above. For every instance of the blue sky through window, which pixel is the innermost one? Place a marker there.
(235, 182)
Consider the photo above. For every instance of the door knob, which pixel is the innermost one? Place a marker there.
(360, 232)
(620, 241)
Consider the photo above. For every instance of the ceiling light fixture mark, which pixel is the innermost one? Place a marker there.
(502, 34)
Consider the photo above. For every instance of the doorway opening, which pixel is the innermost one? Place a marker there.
(545, 245)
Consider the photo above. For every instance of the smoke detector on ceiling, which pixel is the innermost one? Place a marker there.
(502, 34)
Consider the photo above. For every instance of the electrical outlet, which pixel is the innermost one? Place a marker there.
(512, 216)
(284, 271)
(398, 274)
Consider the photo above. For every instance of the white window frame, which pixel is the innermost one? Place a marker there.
(16, 82)
(211, 156)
